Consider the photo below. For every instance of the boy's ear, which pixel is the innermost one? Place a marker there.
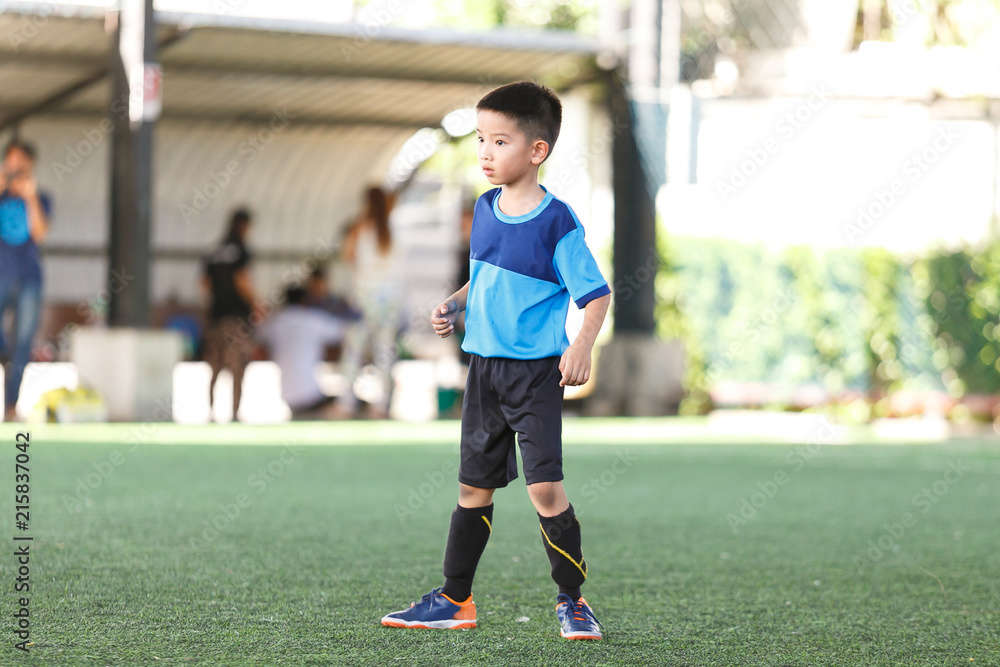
(539, 151)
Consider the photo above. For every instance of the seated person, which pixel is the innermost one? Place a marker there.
(297, 337)
(318, 295)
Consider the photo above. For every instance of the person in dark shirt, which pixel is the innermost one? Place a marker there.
(233, 309)
(24, 224)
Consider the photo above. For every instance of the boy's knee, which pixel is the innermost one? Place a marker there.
(549, 498)
(544, 495)
(472, 496)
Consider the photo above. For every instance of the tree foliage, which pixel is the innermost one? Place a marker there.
(847, 320)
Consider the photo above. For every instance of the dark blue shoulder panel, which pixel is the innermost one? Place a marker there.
(526, 248)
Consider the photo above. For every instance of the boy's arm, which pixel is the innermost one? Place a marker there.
(444, 316)
(575, 362)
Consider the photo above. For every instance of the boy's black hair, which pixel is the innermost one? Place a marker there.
(19, 145)
(535, 108)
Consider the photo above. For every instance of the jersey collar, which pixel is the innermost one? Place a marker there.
(518, 219)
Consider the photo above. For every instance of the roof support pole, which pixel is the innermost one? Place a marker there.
(635, 257)
(640, 375)
(133, 109)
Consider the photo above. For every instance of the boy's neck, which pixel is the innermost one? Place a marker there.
(519, 198)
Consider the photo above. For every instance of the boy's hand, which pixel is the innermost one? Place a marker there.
(443, 318)
(575, 366)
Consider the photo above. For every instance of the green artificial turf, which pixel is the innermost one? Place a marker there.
(331, 538)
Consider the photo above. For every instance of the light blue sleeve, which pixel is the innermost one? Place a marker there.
(578, 269)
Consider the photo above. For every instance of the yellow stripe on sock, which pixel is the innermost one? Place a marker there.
(583, 569)
(488, 524)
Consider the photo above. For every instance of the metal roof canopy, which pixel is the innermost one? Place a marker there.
(54, 60)
(57, 60)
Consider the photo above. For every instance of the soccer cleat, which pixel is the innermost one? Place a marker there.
(435, 610)
(576, 618)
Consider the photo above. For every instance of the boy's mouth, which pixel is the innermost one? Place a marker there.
(488, 171)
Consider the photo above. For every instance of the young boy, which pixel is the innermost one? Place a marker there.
(527, 259)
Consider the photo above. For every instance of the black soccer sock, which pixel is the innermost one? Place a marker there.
(561, 538)
(470, 530)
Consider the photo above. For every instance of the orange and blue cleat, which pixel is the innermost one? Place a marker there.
(576, 619)
(434, 611)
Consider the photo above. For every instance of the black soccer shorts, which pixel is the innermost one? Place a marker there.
(504, 397)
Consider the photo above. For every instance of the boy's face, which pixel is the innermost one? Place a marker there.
(506, 155)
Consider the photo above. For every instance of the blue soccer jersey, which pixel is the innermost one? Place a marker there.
(523, 272)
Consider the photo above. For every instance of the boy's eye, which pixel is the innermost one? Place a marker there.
(500, 142)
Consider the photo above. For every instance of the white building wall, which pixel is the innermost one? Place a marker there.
(817, 170)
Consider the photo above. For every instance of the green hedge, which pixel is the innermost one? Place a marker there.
(845, 319)
(961, 291)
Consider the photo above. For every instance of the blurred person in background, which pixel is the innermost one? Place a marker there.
(375, 266)
(24, 224)
(318, 295)
(297, 338)
(233, 310)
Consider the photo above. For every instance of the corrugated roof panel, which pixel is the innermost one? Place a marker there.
(307, 53)
(22, 85)
(216, 95)
(94, 101)
(306, 208)
(53, 35)
(237, 69)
